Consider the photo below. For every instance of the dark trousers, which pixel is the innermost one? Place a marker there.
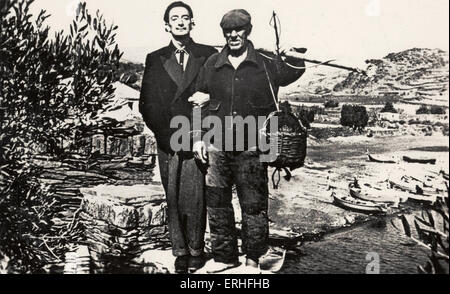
(184, 186)
(245, 170)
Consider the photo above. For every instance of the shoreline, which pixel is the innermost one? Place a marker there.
(309, 206)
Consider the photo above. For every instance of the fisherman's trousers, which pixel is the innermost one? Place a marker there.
(245, 170)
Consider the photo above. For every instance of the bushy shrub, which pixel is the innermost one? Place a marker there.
(420, 122)
(29, 238)
(331, 104)
(432, 110)
(306, 115)
(354, 116)
(389, 107)
(51, 88)
(437, 110)
(445, 130)
(130, 73)
(373, 117)
(423, 110)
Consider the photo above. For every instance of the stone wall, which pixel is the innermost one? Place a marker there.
(133, 139)
(66, 177)
(121, 223)
(135, 146)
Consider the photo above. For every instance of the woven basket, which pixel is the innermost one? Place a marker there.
(292, 140)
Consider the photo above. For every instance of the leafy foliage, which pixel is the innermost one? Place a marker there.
(354, 116)
(130, 74)
(305, 114)
(28, 213)
(434, 109)
(331, 104)
(389, 107)
(437, 110)
(423, 110)
(50, 89)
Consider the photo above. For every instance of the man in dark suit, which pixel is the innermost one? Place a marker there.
(168, 82)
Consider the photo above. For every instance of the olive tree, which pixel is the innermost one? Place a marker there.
(51, 89)
(354, 116)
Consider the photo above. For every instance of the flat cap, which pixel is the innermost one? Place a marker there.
(235, 19)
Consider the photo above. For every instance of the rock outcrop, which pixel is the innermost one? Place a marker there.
(411, 74)
(416, 75)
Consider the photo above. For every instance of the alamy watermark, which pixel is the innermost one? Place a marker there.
(220, 133)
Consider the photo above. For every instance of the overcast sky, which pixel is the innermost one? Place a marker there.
(349, 31)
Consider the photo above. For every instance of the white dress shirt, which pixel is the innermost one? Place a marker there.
(178, 54)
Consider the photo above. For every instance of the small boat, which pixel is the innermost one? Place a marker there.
(415, 192)
(379, 160)
(430, 199)
(377, 194)
(359, 205)
(417, 186)
(419, 160)
(373, 195)
(406, 186)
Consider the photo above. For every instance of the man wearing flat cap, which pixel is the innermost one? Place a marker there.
(241, 82)
(168, 82)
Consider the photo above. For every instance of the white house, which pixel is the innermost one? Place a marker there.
(388, 116)
(125, 104)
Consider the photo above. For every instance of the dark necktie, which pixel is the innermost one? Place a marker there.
(181, 52)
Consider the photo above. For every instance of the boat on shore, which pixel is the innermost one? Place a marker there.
(415, 192)
(374, 195)
(405, 186)
(379, 160)
(416, 185)
(429, 199)
(351, 203)
(419, 160)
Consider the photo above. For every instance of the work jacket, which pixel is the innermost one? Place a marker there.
(249, 90)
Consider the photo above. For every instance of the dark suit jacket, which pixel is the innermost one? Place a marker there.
(166, 89)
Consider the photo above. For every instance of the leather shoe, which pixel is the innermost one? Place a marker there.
(195, 263)
(181, 264)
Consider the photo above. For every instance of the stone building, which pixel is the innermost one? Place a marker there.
(131, 137)
(389, 116)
